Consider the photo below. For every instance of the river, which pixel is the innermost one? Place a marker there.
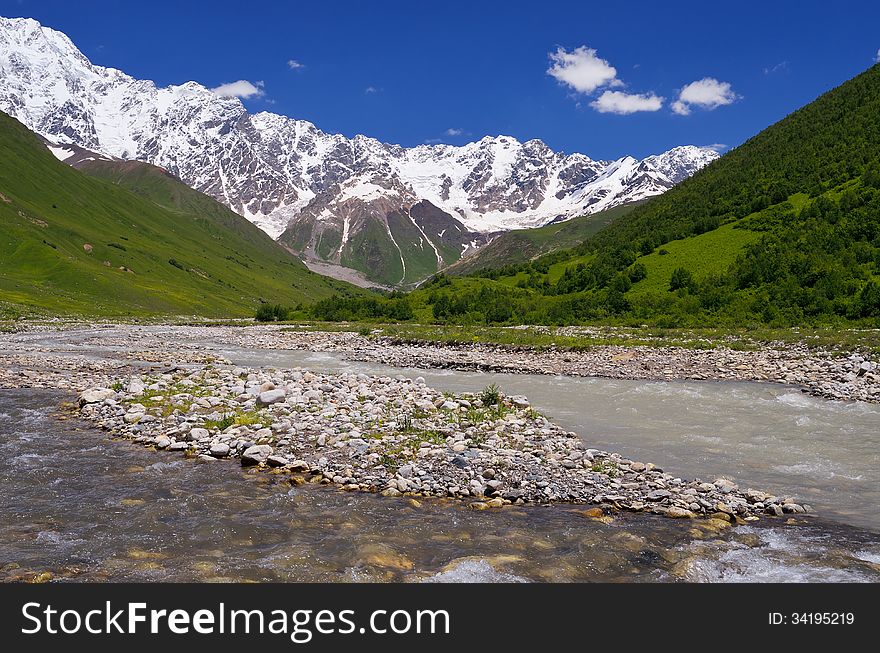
(79, 506)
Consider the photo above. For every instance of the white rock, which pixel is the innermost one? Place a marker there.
(219, 450)
(198, 434)
(256, 454)
(272, 396)
(95, 396)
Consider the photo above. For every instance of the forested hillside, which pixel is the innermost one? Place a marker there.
(783, 230)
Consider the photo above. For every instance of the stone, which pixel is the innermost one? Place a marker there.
(256, 454)
(679, 513)
(406, 471)
(725, 485)
(219, 450)
(382, 555)
(163, 441)
(95, 396)
(390, 492)
(658, 495)
(276, 461)
(178, 446)
(638, 467)
(135, 386)
(133, 418)
(299, 466)
(520, 401)
(198, 434)
(272, 397)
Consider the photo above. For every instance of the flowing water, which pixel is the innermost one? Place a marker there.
(80, 507)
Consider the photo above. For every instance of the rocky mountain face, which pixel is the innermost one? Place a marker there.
(354, 202)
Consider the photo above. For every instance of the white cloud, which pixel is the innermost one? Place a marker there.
(433, 141)
(626, 103)
(241, 89)
(582, 69)
(781, 67)
(370, 90)
(293, 64)
(877, 58)
(454, 131)
(707, 93)
(718, 147)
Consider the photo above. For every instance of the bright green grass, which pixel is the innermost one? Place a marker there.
(225, 266)
(840, 340)
(709, 253)
(558, 269)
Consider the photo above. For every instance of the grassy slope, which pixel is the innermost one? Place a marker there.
(815, 149)
(521, 245)
(48, 212)
(704, 255)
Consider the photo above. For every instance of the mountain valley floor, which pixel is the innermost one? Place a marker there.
(173, 387)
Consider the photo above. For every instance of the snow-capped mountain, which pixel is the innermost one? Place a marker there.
(283, 173)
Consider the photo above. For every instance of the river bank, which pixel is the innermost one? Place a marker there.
(393, 435)
(820, 372)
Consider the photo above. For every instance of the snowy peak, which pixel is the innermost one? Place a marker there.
(272, 169)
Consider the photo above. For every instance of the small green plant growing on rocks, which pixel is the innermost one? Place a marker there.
(236, 418)
(117, 386)
(491, 395)
(405, 423)
(221, 424)
(365, 331)
(605, 467)
(496, 412)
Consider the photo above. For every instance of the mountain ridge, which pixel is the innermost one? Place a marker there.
(271, 168)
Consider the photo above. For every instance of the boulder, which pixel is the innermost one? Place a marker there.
(219, 450)
(256, 454)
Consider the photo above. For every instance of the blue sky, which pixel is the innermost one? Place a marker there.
(412, 72)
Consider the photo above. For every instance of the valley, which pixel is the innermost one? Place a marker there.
(236, 347)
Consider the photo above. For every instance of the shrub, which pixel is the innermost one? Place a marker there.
(681, 278)
(272, 313)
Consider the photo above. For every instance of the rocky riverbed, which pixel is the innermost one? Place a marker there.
(170, 387)
(831, 375)
(400, 437)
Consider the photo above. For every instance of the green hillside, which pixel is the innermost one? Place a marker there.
(522, 245)
(783, 230)
(132, 240)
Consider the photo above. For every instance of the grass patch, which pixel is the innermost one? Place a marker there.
(236, 418)
(709, 253)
